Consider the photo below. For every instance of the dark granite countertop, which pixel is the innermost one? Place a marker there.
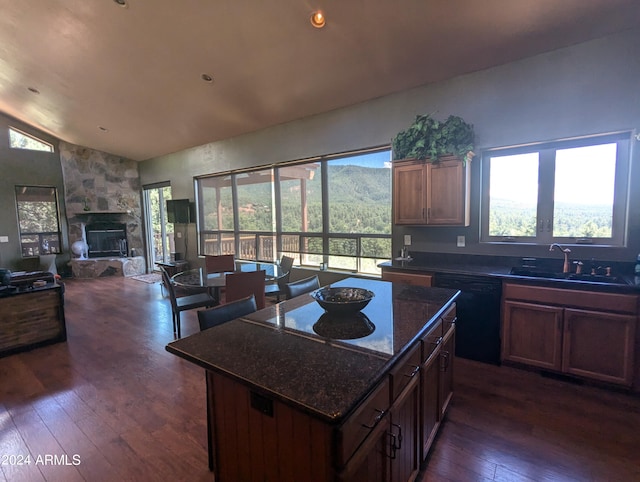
(278, 350)
(499, 267)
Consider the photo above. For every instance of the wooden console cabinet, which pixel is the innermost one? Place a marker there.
(582, 333)
(433, 194)
(32, 318)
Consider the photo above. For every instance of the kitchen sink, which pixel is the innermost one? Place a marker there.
(591, 278)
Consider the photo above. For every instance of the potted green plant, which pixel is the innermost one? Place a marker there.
(428, 138)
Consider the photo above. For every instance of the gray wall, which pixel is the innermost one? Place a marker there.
(33, 168)
(584, 89)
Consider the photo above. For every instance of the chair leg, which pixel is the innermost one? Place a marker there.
(178, 323)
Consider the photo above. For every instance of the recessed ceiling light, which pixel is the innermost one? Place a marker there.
(122, 3)
(207, 78)
(317, 19)
(103, 129)
(33, 90)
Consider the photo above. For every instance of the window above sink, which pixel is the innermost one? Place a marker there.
(570, 191)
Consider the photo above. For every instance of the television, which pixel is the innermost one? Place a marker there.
(181, 211)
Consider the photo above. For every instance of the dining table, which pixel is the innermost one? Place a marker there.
(198, 278)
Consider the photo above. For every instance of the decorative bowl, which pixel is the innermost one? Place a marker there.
(344, 328)
(342, 300)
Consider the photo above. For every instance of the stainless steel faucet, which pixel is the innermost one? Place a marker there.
(565, 251)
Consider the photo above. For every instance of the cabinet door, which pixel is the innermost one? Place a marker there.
(371, 462)
(404, 434)
(447, 194)
(599, 345)
(430, 407)
(532, 334)
(447, 353)
(409, 196)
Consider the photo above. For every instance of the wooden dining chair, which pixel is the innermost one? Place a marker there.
(277, 287)
(184, 303)
(245, 283)
(306, 285)
(229, 311)
(219, 264)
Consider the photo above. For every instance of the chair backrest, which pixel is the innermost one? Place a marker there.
(219, 264)
(302, 286)
(286, 263)
(226, 312)
(166, 279)
(245, 283)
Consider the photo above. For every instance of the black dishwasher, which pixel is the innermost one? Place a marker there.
(478, 312)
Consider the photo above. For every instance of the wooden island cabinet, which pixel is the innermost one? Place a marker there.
(433, 194)
(582, 333)
(288, 400)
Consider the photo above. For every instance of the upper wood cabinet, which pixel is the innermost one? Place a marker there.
(431, 194)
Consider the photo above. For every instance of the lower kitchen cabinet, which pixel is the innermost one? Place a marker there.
(599, 346)
(391, 451)
(532, 334)
(581, 333)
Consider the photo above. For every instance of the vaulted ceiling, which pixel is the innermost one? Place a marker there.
(128, 79)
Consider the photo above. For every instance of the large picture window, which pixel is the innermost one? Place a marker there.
(334, 210)
(38, 220)
(572, 191)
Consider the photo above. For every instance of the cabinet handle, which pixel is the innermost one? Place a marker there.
(399, 436)
(392, 439)
(428, 214)
(375, 420)
(416, 369)
(444, 366)
(437, 342)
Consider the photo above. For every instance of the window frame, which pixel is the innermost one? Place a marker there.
(546, 182)
(303, 256)
(40, 234)
(30, 136)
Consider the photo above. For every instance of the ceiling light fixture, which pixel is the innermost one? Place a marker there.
(103, 129)
(122, 3)
(207, 78)
(317, 19)
(33, 90)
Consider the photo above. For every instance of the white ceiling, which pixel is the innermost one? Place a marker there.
(136, 71)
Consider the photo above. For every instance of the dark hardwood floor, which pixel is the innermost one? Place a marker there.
(127, 410)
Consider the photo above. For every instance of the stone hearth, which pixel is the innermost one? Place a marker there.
(100, 267)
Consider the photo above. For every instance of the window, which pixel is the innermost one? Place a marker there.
(335, 210)
(572, 191)
(22, 140)
(38, 220)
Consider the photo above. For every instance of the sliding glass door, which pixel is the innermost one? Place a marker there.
(160, 241)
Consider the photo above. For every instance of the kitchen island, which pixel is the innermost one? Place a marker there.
(293, 394)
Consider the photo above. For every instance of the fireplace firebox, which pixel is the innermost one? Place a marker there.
(106, 239)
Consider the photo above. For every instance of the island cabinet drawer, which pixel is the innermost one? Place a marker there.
(404, 371)
(431, 340)
(358, 426)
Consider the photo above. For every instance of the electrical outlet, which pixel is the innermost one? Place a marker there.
(178, 234)
(4, 239)
(460, 242)
(407, 240)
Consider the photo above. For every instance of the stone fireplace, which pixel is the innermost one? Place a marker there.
(103, 207)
